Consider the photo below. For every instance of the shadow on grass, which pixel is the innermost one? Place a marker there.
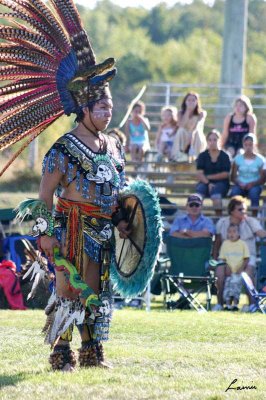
(12, 380)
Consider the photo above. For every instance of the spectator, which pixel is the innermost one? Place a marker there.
(189, 140)
(166, 132)
(137, 128)
(249, 229)
(10, 284)
(238, 124)
(213, 166)
(119, 135)
(235, 253)
(248, 173)
(193, 224)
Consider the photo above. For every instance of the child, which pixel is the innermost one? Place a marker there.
(166, 132)
(235, 253)
(119, 135)
(137, 128)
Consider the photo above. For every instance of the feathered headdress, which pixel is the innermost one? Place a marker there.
(48, 61)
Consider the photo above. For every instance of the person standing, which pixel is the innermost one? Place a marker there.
(84, 168)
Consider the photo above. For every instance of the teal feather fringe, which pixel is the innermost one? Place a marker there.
(30, 207)
(135, 284)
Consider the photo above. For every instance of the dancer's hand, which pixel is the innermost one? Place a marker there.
(123, 229)
(48, 243)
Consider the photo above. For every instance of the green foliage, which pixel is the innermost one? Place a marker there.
(24, 180)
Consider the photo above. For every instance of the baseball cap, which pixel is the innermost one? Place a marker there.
(194, 198)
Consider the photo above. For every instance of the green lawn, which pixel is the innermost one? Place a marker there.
(157, 355)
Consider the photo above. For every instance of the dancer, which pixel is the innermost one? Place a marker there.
(55, 72)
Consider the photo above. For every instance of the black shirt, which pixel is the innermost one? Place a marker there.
(236, 133)
(209, 167)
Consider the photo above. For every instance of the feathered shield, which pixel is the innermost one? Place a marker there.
(134, 258)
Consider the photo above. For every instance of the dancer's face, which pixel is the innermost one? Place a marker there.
(102, 113)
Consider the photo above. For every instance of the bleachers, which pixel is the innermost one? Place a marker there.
(175, 181)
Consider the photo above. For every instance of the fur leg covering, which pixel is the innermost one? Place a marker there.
(88, 355)
(61, 356)
(101, 357)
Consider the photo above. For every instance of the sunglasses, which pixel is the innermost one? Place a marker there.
(194, 205)
(241, 209)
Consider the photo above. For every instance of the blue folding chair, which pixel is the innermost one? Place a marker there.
(14, 245)
(258, 297)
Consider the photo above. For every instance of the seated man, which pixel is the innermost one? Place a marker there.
(192, 224)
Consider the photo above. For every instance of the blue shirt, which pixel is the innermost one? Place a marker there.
(248, 171)
(138, 133)
(185, 222)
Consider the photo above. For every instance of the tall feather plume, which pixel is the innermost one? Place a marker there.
(35, 54)
(78, 37)
(42, 50)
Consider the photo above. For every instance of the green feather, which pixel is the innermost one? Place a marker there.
(30, 207)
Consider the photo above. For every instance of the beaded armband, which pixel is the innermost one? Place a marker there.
(44, 221)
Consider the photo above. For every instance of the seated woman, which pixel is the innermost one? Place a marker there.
(249, 229)
(213, 167)
(238, 124)
(247, 172)
(190, 139)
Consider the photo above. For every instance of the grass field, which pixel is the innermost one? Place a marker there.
(157, 355)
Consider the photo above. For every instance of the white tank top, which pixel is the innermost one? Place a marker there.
(167, 135)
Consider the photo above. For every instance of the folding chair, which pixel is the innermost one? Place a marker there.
(258, 297)
(13, 245)
(188, 274)
(261, 271)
